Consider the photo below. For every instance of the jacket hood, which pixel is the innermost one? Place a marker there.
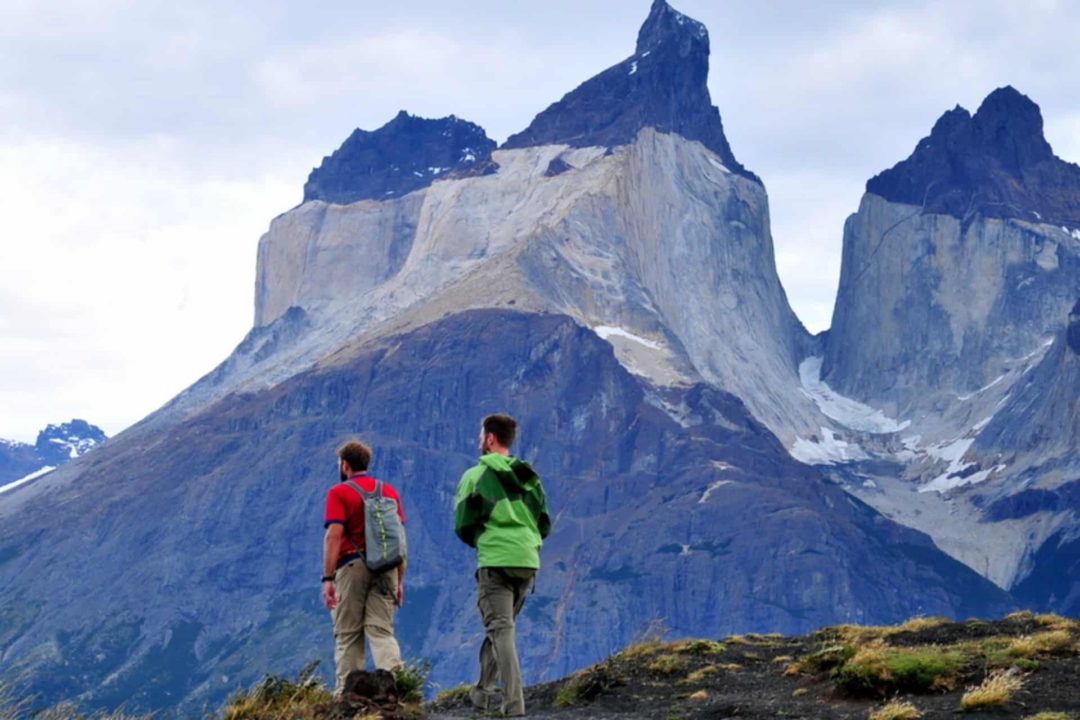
(517, 473)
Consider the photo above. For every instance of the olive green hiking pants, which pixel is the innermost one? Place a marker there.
(365, 608)
(500, 595)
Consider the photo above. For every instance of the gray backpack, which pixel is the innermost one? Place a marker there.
(384, 535)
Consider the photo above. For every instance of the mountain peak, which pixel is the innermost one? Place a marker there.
(662, 86)
(667, 25)
(404, 155)
(1010, 125)
(996, 163)
(57, 444)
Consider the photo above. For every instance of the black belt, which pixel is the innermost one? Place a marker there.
(343, 561)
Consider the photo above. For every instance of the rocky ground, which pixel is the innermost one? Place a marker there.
(925, 668)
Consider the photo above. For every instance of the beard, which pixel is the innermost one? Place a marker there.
(344, 477)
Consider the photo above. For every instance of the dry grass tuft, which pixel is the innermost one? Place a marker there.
(916, 624)
(855, 634)
(699, 647)
(461, 692)
(799, 692)
(698, 675)
(1049, 716)
(795, 668)
(1053, 642)
(639, 650)
(1056, 622)
(996, 690)
(896, 710)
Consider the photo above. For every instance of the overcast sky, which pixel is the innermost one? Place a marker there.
(145, 146)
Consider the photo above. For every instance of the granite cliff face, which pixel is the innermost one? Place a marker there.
(953, 318)
(621, 206)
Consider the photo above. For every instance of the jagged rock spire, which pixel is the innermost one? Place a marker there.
(663, 86)
(996, 163)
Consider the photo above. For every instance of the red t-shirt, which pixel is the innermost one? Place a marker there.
(345, 507)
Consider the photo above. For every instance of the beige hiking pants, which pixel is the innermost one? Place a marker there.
(500, 595)
(365, 607)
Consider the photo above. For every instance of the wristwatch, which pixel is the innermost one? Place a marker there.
(328, 578)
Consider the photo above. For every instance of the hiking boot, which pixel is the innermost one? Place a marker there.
(484, 700)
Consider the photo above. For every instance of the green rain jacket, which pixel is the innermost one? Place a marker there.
(500, 510)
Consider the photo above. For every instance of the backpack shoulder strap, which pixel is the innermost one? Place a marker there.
(363, 494)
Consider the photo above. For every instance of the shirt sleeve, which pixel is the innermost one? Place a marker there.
(335, 509)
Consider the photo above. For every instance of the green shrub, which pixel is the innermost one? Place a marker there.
(454, 694)
(585, 685)
(668, 664)
(279, 697)
(411, 679)
(879, 670)
(823, 660)
(703, 647)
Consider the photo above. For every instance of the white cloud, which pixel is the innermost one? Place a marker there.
(125, 277)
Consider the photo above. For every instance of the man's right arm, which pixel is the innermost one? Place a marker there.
(468, 509)
(334, 520)
(331, 552)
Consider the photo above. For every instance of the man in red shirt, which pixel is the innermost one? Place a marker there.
(361, 602)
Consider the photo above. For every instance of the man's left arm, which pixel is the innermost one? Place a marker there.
(543, 517)
(399, 597)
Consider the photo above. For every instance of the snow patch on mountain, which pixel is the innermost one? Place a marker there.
(23, 480)
(852, 414)
(607, 331)
(711, 489)
(980, 391)
(719, 165)
(830, 450)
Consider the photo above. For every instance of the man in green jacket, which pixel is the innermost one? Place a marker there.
(500, 510)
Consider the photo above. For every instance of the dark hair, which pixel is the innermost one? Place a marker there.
(357, 454)
(503, 427)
